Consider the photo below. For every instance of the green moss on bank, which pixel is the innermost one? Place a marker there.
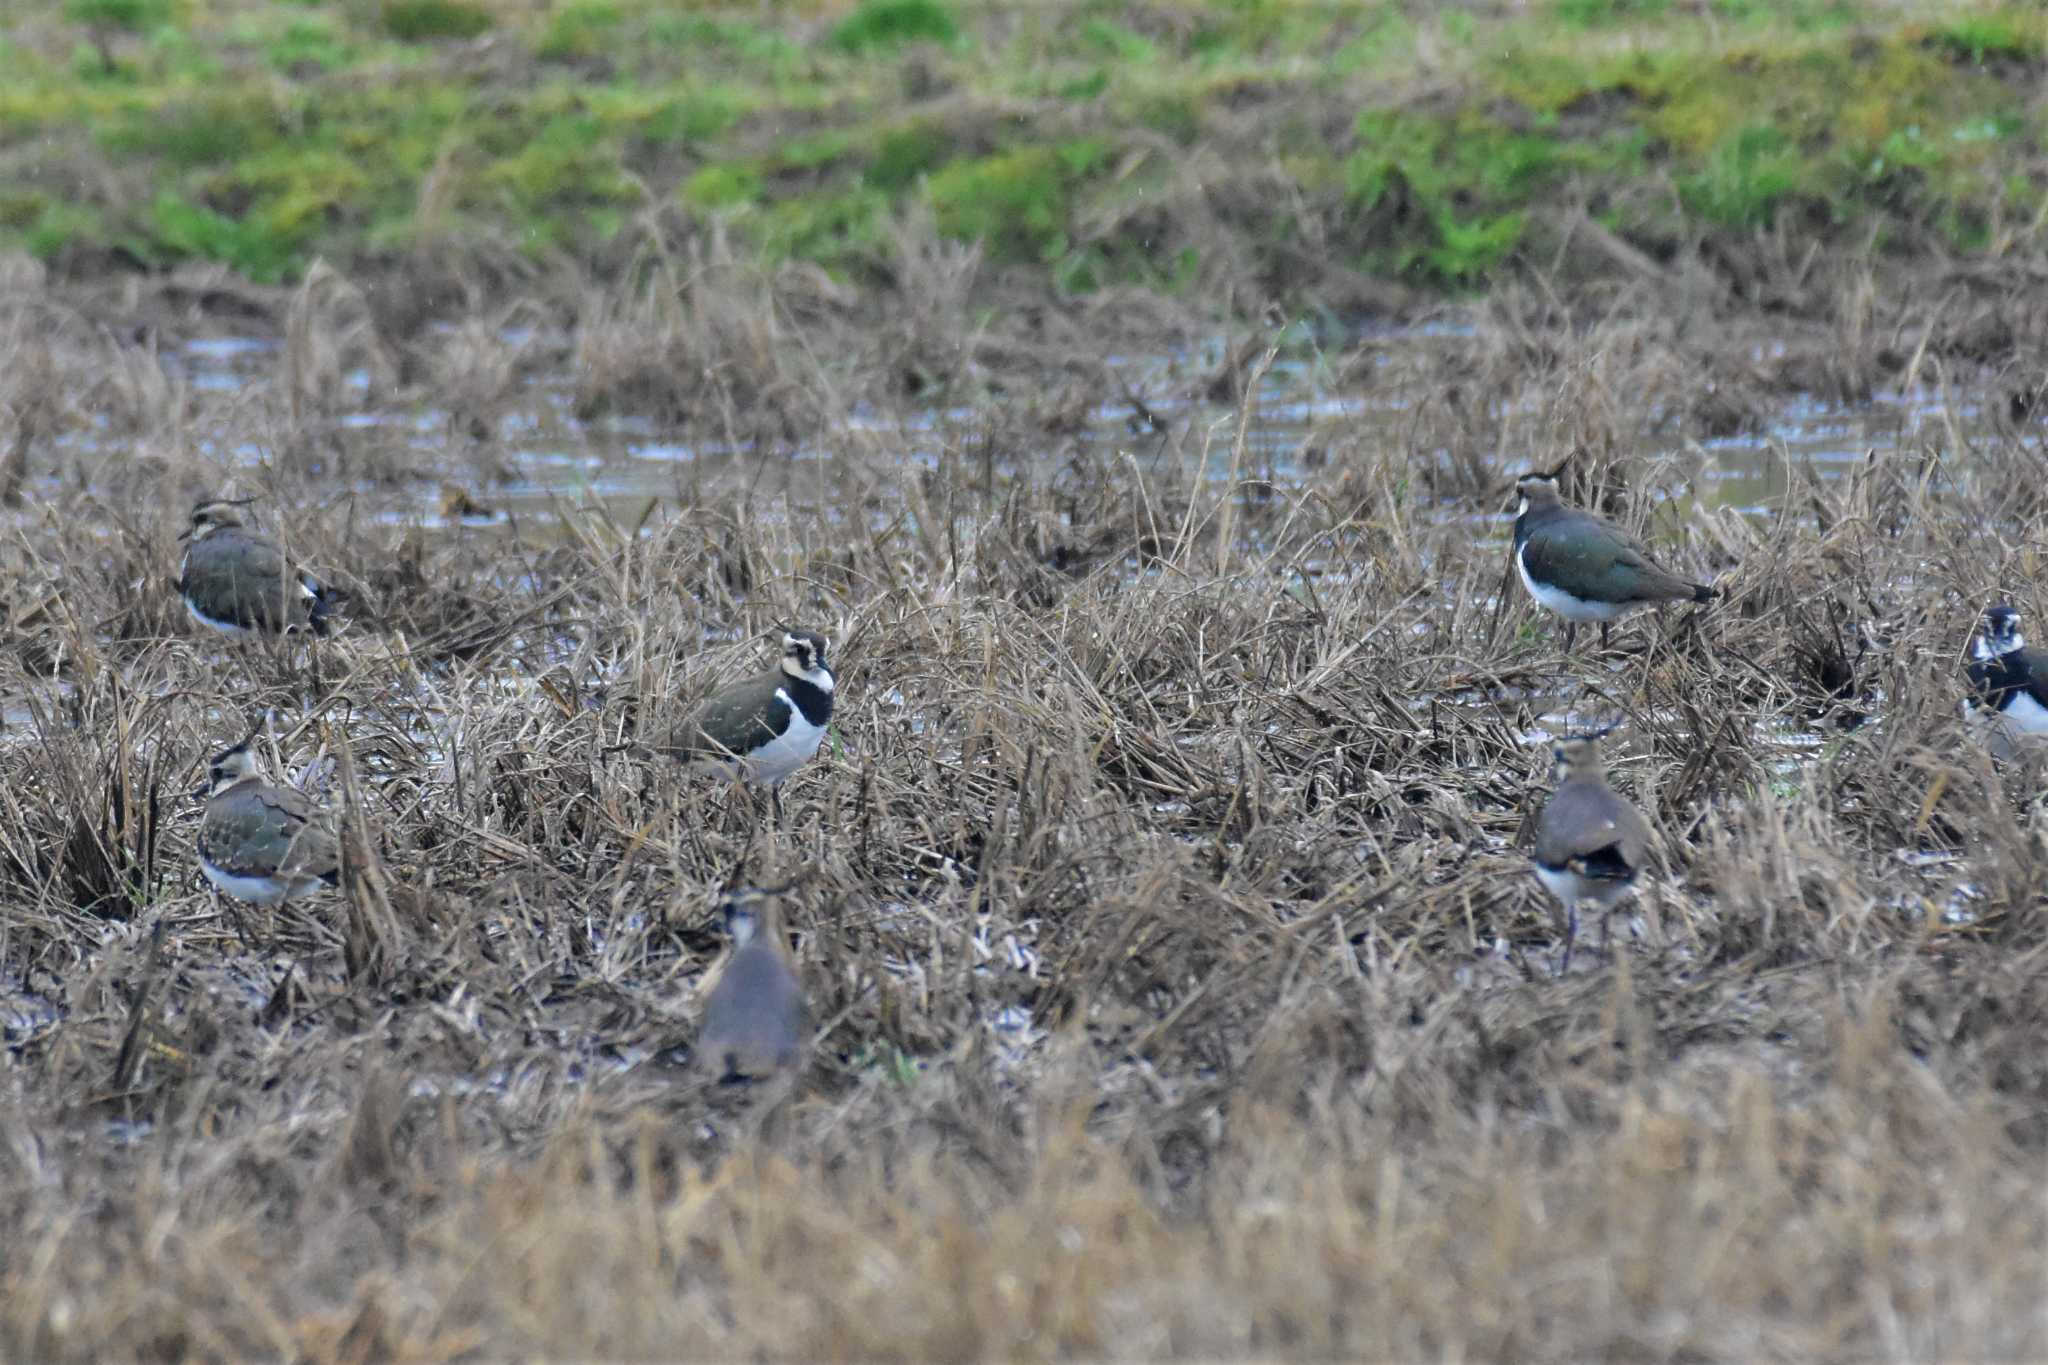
(1085, 141)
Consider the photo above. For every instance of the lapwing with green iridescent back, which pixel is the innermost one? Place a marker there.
(1584, 567)
(260, 842)
(2008, 680)
(754, 1023)
(765, 728)
(240, 583)
(1591, 845)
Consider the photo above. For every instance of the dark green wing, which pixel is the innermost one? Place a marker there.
(248, 581)
(1588, 556)
(269, 829)
(735, 721)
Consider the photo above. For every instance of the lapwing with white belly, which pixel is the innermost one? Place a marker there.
(240, 583)
(1584, 567)
(260, 842)
(765, 728)
(2008, 681)
(754, 1024)
(1590, 844)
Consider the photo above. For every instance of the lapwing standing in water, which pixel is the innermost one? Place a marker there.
(260, 842)
(1584, 567)
(765, 728)
(1590, 844)
(238, 582)
(754, 1023)
(2008, 681)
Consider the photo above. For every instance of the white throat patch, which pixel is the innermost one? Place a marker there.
(816, 676)
(1989, 647)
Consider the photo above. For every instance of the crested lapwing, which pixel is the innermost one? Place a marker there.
(2008, 681)
(1584, 567)
(765, 728)
(260, 842)
(1590, 843)
(754, 1023)
(238, 582)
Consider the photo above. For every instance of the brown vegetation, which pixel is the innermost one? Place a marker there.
(1163, 898)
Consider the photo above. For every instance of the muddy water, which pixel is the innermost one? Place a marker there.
(552, 457)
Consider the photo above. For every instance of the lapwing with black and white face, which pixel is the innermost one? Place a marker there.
(1590, 843)
(1584, 567)
(260, 842)
(239, 582)
(2008, 681)
(765, 728)
(754, 1023)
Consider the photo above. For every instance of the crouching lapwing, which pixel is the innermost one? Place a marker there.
(754, 1024)
(1590, 844)
(2008, 681)
(1584, 567)
(260, 842)
(765, 728)
(238, 582)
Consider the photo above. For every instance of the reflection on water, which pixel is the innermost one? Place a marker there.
(551, 456)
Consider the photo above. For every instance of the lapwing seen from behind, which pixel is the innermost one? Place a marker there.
(260, 842)
(240, 583)
(2008, 681)
(1590, 843)
(754, 1025)
(1584, 567)
(765, 728)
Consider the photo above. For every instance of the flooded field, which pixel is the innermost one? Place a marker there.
(548, 457)
(1161, 893)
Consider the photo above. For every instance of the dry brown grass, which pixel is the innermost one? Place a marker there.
(1215, 772)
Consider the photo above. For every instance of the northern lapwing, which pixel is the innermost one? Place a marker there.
(1590, 843)
(754, 1023)
(260, 842)
(2008, 681)
(765, 728)
(238, 582)
(1584, 567)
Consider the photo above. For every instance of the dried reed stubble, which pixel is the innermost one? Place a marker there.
(1235, 817)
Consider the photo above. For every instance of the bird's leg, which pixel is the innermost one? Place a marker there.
(775, 804)
(1571, 934)
(226, 909)
(1603, 636)
(1571, 630)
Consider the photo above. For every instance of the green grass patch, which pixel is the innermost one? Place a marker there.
(180, 228)
(1424, 143)
(585, 29)
(884, 24)
(2017, 37)
(722, 187)
(1016, 202)
(421, 21)
(906, 154)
